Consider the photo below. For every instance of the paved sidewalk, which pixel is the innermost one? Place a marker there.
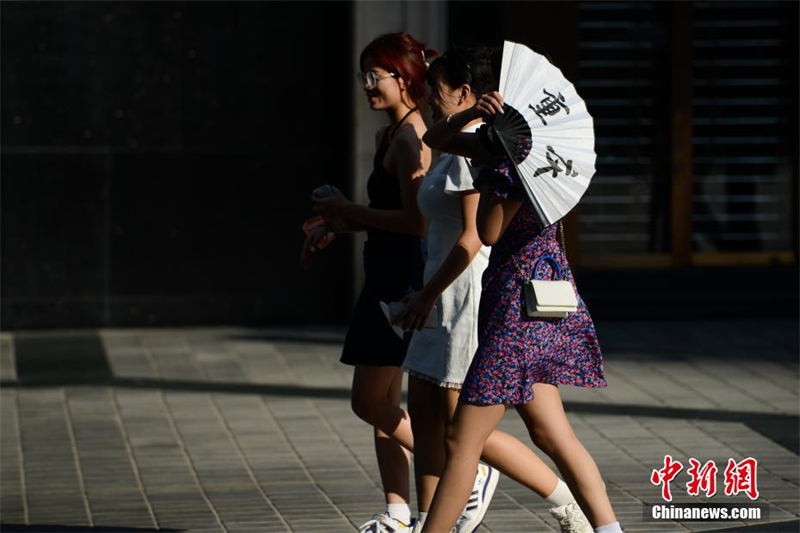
(250, 430)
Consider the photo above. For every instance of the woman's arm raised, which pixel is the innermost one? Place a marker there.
(446, 135)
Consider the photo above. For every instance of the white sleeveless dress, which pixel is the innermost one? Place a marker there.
(443, 355)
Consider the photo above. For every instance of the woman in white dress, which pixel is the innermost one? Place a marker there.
(438, 359)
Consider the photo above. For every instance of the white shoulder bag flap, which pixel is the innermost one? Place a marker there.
(549, 298)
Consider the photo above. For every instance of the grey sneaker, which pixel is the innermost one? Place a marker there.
(478, 504)
(571, 519)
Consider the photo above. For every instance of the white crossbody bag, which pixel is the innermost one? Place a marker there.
(549, 298)
(554, 298)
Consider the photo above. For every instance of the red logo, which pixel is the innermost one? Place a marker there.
(704, 478)
(665, 475)
(739, 477)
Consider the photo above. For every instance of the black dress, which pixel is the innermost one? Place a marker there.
(393, 266)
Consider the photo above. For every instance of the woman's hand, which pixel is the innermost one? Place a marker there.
(311, 245)
(335, 205)
(490, 104)
(415, 314)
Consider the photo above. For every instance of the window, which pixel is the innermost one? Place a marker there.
(739, 59)
(742, 195)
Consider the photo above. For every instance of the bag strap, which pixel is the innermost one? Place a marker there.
(549, 258)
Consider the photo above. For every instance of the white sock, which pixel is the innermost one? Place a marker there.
(561, 495)
(399, 511)
(609, 528)
(421, 517)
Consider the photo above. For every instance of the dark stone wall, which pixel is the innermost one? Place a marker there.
(157, 159)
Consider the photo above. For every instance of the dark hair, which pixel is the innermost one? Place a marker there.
(478, 67)
(403, 54)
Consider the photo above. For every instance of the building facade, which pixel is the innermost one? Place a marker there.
(157, 158)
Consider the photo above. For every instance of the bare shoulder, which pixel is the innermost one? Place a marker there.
(409, 138)
(408, 155)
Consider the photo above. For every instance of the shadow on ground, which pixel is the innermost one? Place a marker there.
(782, 429)
(58, 359)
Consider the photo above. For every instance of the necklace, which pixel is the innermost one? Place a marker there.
(400, 122)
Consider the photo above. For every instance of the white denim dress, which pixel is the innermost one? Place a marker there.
(443, 355)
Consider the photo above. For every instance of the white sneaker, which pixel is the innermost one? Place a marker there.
(383, 523)
(571, 519)
(478, 504)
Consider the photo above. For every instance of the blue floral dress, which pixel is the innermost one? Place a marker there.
(514, 350)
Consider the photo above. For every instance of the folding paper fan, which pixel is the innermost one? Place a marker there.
(546, 131)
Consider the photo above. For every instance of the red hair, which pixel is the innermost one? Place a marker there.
(403, 54)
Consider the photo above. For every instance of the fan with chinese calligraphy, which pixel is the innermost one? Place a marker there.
(546, 131)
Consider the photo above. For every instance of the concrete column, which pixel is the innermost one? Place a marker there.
(427, 21)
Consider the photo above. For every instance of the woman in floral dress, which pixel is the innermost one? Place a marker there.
(520, 360)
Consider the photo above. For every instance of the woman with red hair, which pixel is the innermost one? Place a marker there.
(393, 76)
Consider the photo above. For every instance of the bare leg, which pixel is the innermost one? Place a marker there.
(512, 457)
(516, 460)
(429, 416)
(466, 436)
(552, 433)
(376, 400)
(393, 459)
(431, 408)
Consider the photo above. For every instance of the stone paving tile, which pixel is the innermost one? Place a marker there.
(12, 504)
(235, 429)
(630, 393)
(53, 481)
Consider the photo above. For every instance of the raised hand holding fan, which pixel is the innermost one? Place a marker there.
(546, 132)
